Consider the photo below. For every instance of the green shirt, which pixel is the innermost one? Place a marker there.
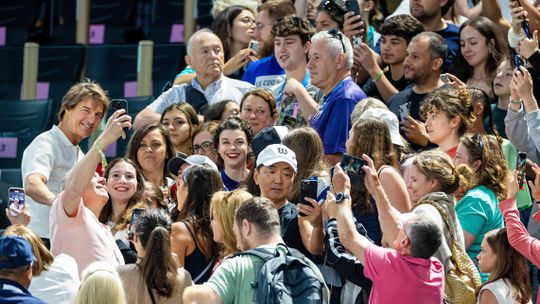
(478, 213)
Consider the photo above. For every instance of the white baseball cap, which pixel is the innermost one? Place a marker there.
(174, 163)
(276, 153)
(390, 119)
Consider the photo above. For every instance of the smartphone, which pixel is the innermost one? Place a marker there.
(353, 166)
(254, 45)
(525, 25)
(16, 200)
(134, 220)
(308, 188)
(404, 111)
(117, 104)
(352, 6)
(444, 78)
(520, 166)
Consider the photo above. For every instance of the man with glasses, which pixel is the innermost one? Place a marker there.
(205, 56)
(266, 72)
(329, 65)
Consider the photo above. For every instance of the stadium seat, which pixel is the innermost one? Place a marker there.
(11, 61)
(20, 122)
(16, 20)
(168, 61)
(165, 14)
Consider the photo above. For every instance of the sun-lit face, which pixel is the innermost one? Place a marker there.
(393, 49)
(474, 46)
(79, 122)
(256, 111)
(275, 181)
(203, 144)
(439, 127)
(418, 62)
(487, 258)
(419, 185)
(207, 57)
(463, 156)
(324, 22)
(243, 27)
(501, 84)
(178, 126)
(122, 181)
(233, 148)
(289, 52)
(152, 152)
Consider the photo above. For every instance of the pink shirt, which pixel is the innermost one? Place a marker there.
(403, 279)
(82, 237)
(518, 237)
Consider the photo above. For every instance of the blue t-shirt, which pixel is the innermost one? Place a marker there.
(13, 292)
(228, 183)
(333, 120)
(264, 73)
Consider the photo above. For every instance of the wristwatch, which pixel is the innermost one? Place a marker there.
(340, 197)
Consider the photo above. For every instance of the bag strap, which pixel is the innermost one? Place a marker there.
(197, 99)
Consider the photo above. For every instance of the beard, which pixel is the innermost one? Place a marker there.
(267, 48)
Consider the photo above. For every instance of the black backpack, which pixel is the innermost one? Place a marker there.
(287, 278)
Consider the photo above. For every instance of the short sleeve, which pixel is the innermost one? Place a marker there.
(176, 94)
(222, 279)
(38, 158)
(336, 131)
(471, 215)
(375, 261)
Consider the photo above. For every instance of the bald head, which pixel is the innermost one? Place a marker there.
(205, 55)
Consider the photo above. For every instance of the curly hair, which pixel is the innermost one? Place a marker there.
(293, 25)
(510, 266)
(493, 171)
(234, 123)
(452, 103)
(437, 165)
(371, 136)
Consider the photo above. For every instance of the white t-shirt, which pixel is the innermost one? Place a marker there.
(58, 284)
(52, 155)
(502, 292)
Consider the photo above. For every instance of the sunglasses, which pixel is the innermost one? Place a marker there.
(339, 36)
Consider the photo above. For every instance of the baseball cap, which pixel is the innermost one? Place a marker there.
(268, 136)
(277, 153)
(15, 252)
(391, 120)
(174, 163)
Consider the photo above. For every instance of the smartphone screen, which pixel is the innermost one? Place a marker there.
(134, 221)
(521, 164)
(353, 166)
(16, 200)
(308, 188)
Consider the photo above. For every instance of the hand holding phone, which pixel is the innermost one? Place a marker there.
(308, 188)
(254, 45)
(520, 167)
(352, 165)
(117, 104)
(134, 221)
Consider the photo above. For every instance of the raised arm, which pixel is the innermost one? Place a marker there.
(82, 174)
(492, 10)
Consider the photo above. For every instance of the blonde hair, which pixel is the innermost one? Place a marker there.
(223, 206)
(100, 284)
(43, 256)
(437, 165)
(365, 104)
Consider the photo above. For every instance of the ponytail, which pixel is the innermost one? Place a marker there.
(158, 267)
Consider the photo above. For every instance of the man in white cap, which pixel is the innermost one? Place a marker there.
(274, 174)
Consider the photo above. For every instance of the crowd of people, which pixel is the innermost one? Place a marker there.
(308, 153)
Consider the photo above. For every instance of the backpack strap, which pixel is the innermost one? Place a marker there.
(196, 99)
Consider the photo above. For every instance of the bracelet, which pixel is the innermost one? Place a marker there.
(103, 158)
(515, 101)
(379, 76)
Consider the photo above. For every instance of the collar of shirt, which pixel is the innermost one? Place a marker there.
(6, 284)
(211, 88)
(61, 137)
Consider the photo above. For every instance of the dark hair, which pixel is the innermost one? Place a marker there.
(136, 140)
(293, 25)
(277, 8)
(452, 103)
(333, 10)
(215, 111)
(511, 266)
(261, 213)
(136, 201)
(404, 26)
(86, 89)
(436, 44)
(498, 49)
(449, 4)
(158, 266)
(479, 96)
(202, 182)
(234, 123)
(308, 147)
(223, 27)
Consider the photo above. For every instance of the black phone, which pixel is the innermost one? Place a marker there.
(134, 221)
(353, 166)
(16, 200)
(520, 166)
(117, 104)
(352, 6)
(308, 188)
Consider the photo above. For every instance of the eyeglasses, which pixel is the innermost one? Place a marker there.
(206, 146)
(337, 34)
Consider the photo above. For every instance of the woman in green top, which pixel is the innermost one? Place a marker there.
(484, 172)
